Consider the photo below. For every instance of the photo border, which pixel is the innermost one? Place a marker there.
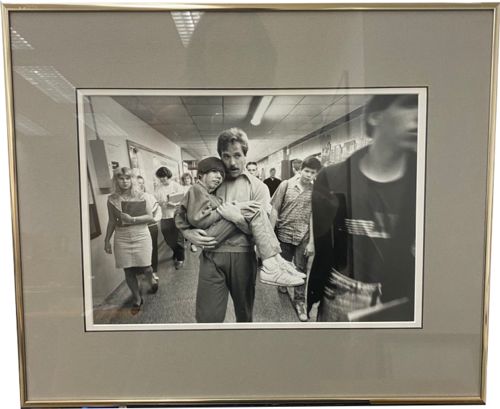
(422, 93)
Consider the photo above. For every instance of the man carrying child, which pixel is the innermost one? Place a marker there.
(228, 262)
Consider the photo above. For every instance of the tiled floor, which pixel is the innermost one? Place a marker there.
(174, 301)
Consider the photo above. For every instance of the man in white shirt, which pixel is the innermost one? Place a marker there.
(168, 193)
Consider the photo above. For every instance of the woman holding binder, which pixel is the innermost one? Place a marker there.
(130, 211)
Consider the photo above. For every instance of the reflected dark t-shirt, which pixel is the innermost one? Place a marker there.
(381, 228)
(363, 229)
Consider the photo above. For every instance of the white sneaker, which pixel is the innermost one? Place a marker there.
(279, 277)
(290, 268)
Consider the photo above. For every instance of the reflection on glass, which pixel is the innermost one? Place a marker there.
(185, 22)
(28, 127)
(103, 125)
(18, 42)
(48, 80)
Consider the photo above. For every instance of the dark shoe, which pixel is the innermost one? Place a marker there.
(283, 290)
(178, 264)
(154, 284)
(136, 307)
(154, 287)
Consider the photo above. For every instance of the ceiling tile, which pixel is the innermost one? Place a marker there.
(309, 127)
(231, 121)
(179, 129)
(185, 120)
(323, 100)
(297, 119)
(192, 122)
(357, 100)
(311, 110)
(210, 120)
(277, 112)
(238, 100)
(204, 110)
(160, 100)
(169, 111)
(202, 100)
(286, 126)
(287, 99)
(239, 110)
(334, 112)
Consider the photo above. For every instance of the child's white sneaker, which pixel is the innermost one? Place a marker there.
(279, 277)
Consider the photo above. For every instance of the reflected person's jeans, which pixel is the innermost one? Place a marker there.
(343, 295)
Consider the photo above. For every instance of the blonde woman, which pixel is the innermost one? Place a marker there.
(130, 211)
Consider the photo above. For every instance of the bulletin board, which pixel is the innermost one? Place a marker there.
(145, 162)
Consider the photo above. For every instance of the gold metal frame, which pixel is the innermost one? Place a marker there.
(7, 8)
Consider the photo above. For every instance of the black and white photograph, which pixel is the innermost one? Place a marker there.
(273, 208)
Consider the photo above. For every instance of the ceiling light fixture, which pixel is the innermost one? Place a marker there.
(261, 109)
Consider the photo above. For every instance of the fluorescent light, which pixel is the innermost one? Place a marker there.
(18, 42)
(261, 109)
(48, 80)
(185, 22)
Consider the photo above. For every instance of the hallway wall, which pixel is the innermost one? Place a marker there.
(332, 146)
(105, 277)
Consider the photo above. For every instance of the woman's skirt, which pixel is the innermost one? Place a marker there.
(132, 246)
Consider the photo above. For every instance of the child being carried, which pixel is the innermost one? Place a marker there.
(201, 204)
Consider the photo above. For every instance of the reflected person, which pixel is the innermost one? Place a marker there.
(364, 217)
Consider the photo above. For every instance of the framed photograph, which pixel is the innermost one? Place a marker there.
(251, 204)
(296, 123)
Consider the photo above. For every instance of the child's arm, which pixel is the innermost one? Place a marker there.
(310, 244)
(232, 213)
(277, 202)
(200, 208)
(203, 218)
